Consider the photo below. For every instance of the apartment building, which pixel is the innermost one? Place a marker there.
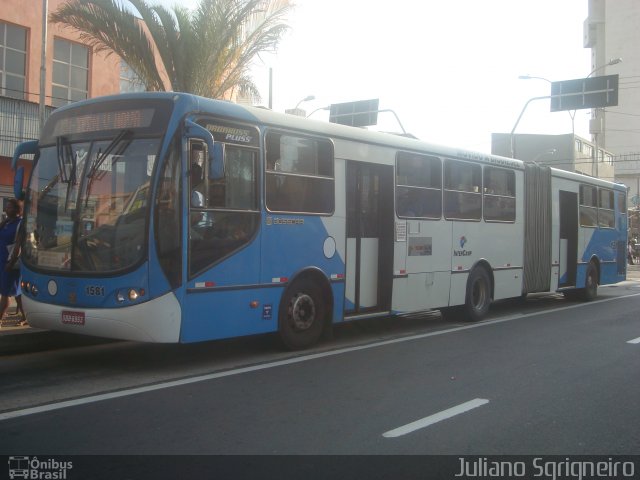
(566, 152)
(611, 32)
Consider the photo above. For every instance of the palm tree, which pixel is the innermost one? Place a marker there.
(207, 52)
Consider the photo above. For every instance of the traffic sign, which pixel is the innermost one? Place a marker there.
(356, 114)
(590, 92)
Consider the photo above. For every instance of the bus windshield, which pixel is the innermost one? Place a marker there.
(88, 201)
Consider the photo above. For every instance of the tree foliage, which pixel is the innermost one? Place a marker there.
(207, 52)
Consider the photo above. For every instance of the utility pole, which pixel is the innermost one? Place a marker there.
(43, 63)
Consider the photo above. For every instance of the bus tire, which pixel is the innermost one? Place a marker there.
(302, 315)
(478, 296)
(590, 290)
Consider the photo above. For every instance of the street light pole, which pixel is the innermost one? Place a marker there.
(511, 136)
(43, 64)
(572, 113)
(308, 98)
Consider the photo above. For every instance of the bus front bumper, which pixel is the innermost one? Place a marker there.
(157, 320)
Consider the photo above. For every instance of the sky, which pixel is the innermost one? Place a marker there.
(448, 68)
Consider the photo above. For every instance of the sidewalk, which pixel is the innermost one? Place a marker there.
(12, 317)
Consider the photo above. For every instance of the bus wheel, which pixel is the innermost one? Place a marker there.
(590, 290)
(478, 297)
(302, 315)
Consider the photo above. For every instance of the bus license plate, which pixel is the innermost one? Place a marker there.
(72, 318)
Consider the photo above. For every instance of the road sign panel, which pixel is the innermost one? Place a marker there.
(590, 92)
(356, 114)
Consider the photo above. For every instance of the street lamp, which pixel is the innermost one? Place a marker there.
(318, 109)
(572, 113)
(531, 77)
(308, 98)
(613, 61)
(298, 111)
(512, 134)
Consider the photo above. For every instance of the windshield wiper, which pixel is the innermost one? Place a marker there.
(64, 152)
(66, 159)
(102, 156)
(123, 139)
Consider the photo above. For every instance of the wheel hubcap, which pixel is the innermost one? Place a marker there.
(303, 311)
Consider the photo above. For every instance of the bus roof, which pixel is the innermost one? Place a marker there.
(186, 103)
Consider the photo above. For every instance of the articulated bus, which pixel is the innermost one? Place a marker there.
(167, 217)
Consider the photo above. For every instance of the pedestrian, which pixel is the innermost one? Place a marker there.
(9, 254)
(630, 252)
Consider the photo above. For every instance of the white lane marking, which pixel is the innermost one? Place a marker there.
(280, 363)
(435, 418)
(634, 341)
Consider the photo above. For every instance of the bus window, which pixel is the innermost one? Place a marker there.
(462, 190)
(229, 217)
(167, 219)
(499, 201)
(622, 203)
(588, 206)
(606, 214)
(418, 186)
(299, 174)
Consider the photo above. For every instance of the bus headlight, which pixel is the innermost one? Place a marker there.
(132, 294)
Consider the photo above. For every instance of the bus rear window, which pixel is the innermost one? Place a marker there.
(606, 213)
(588, 206)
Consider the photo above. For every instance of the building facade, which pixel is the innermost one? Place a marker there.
(566, 152)
(611, 32)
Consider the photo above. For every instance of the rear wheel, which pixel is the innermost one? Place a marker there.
(478, 296)
(590, 290)
(302, 315)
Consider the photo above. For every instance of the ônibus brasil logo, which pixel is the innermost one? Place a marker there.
(462, 252)
(33, 468)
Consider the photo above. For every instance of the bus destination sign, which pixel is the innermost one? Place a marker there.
(100, 121)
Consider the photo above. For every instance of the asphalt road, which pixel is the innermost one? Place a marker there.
(550, 377)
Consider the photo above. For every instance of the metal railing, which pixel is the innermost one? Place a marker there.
(19, 122)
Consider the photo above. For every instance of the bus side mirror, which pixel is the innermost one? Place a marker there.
(18, 178)
(25, 148)
(214, 150)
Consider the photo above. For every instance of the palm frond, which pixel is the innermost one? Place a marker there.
(106, 26)
(207, 52)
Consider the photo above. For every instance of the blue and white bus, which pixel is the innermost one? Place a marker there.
(167, 217)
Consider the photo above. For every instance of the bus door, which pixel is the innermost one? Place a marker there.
(568, 239)
(369, 271)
